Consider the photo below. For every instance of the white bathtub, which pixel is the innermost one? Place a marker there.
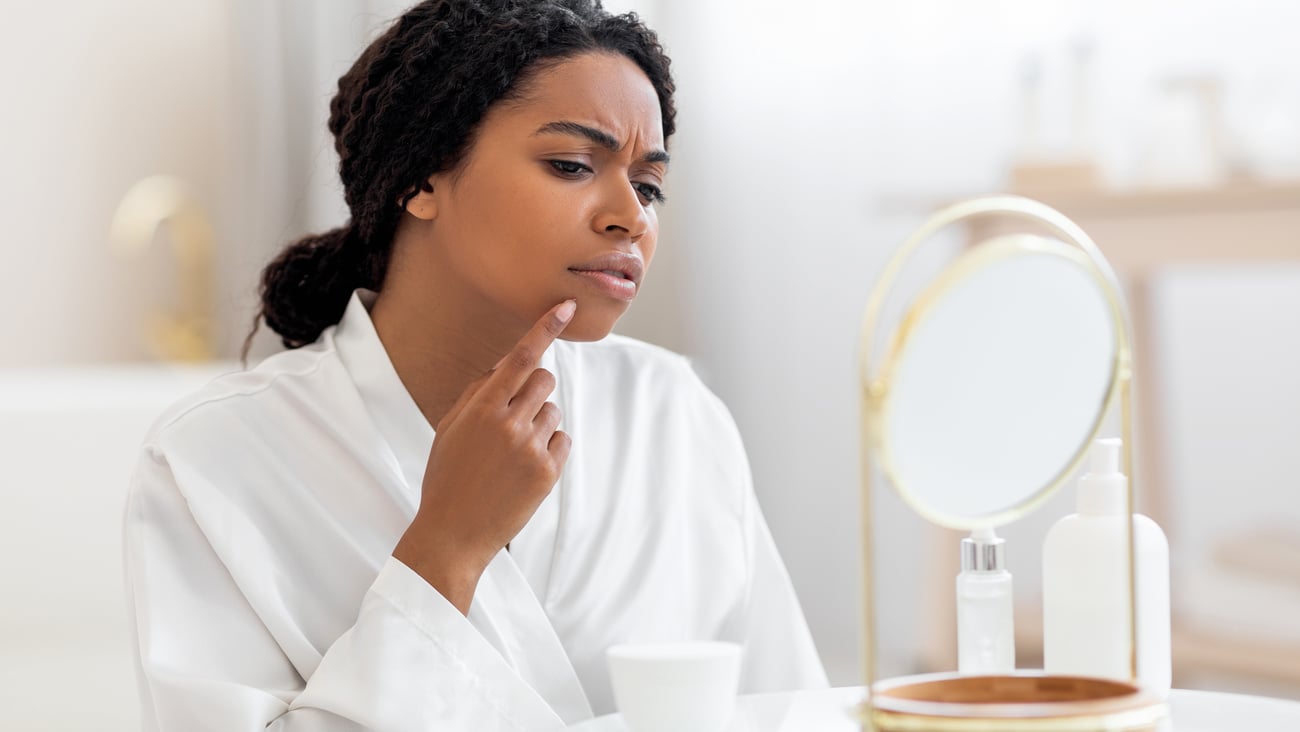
(68, 441)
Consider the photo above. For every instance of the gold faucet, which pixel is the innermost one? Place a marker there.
(185, 334)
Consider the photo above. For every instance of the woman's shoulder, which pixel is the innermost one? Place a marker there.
(634, 398)
(643, 374)
(623, 361)
(247, 394)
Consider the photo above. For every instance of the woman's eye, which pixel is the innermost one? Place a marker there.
(650, 193)
(568, 167)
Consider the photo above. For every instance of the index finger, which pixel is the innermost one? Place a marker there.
(516, 367)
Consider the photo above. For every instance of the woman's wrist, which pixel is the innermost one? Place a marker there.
(453, 572)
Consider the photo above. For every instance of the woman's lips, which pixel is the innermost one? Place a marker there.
(611, 285)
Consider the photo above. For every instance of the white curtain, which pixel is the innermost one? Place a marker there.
(289, 56)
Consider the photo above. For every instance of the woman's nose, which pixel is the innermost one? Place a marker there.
(621, 210)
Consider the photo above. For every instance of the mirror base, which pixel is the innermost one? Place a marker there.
(950, 702)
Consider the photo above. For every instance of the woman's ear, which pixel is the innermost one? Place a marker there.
(423, 205)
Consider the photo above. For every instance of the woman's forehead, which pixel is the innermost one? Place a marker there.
(604, 90)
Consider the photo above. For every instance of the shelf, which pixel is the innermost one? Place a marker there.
(1242, 196)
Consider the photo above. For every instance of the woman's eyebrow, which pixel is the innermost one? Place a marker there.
(600, 137)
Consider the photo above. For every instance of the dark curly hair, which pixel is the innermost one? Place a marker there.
(408, 108)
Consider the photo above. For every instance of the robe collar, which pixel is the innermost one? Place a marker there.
(395, 413)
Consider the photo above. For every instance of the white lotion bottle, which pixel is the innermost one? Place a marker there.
(1085, 583)
(985, 621)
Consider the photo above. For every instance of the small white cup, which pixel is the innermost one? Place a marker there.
(675, 687)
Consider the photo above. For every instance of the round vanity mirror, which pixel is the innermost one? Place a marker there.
(996, 380)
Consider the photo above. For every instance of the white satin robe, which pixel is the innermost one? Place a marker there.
(264, 510)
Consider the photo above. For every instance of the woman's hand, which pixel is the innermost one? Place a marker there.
(495, 457)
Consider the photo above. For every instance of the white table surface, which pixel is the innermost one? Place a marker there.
(827, 711)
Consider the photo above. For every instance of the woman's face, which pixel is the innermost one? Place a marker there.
(557, 186)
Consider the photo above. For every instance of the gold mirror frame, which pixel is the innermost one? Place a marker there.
(992, 251)
(874, 393)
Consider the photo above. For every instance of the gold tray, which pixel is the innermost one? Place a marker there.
(952, 702)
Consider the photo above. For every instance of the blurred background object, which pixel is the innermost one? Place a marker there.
(813, 138)
(186, 333)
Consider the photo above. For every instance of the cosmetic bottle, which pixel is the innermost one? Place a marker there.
(1086, 586)
(985, 625)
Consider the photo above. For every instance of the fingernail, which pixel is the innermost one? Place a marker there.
(565, 312)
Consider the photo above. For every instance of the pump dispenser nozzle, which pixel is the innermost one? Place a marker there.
(1103, 489)
(983, 551)
(1105, 455)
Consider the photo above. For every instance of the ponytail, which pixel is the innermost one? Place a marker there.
(307, 287)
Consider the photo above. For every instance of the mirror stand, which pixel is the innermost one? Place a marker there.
(1021, 700)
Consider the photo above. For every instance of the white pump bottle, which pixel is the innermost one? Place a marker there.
(1085, 583)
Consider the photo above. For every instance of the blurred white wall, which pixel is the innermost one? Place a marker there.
(230, 97)
(89, 111)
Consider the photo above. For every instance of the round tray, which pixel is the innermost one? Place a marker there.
(1021, 701)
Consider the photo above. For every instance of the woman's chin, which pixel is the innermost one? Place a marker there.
(586, 332)
(594, 319)
(590, 326)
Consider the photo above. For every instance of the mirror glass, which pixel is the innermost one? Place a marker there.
(996, 381)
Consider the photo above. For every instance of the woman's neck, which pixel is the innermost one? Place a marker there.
(438, 344)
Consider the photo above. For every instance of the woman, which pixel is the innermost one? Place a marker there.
(306, 552)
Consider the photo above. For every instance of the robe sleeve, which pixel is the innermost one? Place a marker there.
(779, 654)
(206, 661)
(779, 651)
